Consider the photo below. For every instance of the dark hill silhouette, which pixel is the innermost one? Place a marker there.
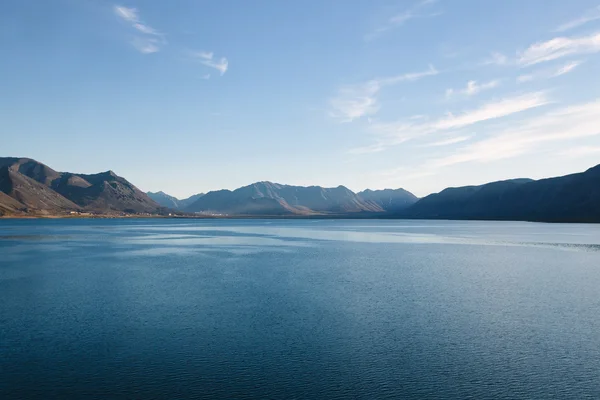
(570, 198)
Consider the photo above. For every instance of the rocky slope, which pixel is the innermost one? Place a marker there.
(40, 189)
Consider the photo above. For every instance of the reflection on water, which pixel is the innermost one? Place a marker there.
(255, 236)
(308, 309)
(33, 237)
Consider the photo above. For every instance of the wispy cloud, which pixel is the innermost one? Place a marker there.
(525, 136)
(355, 101)
(473, 88)
(449, 141)
(580, 151)
(565, 69)
(422, 9)
(360, 100)
(549, 73)
(496, 58)
(207, 58)
(149, 40)
(372, 148)
(560, 47)
(390, 176)
(589, 16)
(493, 110)
(146, 45)
(395, 133)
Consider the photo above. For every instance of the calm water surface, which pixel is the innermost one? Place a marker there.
(163, 309)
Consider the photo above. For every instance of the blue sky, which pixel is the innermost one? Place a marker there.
(187, 96)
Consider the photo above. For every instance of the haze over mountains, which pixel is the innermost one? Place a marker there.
(28, 187)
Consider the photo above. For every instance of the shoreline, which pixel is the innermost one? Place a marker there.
(279, 217)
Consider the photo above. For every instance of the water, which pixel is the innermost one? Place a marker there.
(164, 309)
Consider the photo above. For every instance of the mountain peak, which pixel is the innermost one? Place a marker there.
(43, 189)
(595, 169)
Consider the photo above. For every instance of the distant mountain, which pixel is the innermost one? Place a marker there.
(164, 199)
(174, 203)
(571, 198)
(390, 200)
(267, 198)
(185, 203)
(28, 187)
(43, 190)
(467, 201)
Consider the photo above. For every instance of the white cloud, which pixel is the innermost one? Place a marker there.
(145, 45)
(591, 15)
(207, 58)
(145, 29)
(412, 76)
(496, 59)
(392, 134)
(391, 175)
(525, 136)
(373, 148)
(207, 55)
(150, 40)
(473, 88)
(128, 14)
(525, 78)
(416, 11)
(580, 151)
(565, 69)
(494, 110)
(549, 73)
(356, 101)
(449, 141)
(560, 47)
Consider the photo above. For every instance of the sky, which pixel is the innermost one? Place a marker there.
(188, 96)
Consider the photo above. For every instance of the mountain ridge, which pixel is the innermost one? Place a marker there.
(569, 198)
(42, 190)
(390, 200)
(28, 187)
(271, 198)
(173, 202)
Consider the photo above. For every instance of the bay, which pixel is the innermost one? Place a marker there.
(304, 309)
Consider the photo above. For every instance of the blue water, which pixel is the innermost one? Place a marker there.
(267, 309)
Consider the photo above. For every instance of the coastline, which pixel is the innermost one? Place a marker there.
(368, 216)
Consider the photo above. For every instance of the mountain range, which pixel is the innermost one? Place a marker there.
(267, 198)
(32, 188)
(570, 198)
(28, 187)
(172, 202)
